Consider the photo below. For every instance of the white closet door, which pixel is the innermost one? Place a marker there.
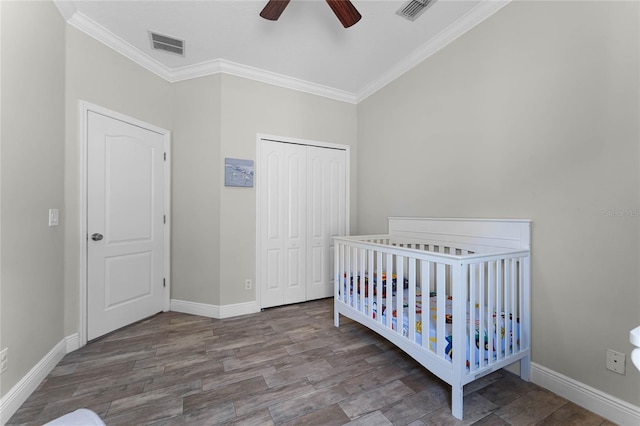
(283, 204)
(295, 214)
(326, 218)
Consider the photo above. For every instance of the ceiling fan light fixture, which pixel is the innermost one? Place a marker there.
(344, 10)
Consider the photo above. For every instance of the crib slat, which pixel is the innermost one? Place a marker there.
(525, 315)
(499, 291)
(484, 322)
(471, 326)
(399, 306)
(344, 273)
(388, 288)
(378, 284)
(509, 309)
(522, 311)
(491, 309)
(507, 312)
(458, 360)
(370, 281)
(354, 277)
(361, 279)
(338, 283)
(347, 274)
(412, 299)
(426, 302)
(441, 298)
(514, 312)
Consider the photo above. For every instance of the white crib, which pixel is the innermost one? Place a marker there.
(445, 269)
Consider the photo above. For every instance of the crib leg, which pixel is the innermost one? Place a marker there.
(525, 368)
(456, 401)
(336, 317)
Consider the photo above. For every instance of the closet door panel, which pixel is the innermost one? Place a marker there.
(326, 217)
(272, 226)
(336, 207)
(295, 219)
(316, 259)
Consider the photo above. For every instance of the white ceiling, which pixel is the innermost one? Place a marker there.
(306, 49)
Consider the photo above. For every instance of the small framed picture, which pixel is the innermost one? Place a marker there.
(238, 172)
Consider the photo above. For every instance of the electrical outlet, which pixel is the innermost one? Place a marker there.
(4, 360)
(248, 284)
(615, 361)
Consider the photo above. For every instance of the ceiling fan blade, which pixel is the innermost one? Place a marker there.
(274, 9)
(345, 11)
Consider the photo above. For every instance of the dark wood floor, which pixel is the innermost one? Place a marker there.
(286, 365)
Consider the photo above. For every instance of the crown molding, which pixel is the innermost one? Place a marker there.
(221, 66)
(217, 66)
(482, 11)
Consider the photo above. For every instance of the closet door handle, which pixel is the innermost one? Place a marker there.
(96, 237)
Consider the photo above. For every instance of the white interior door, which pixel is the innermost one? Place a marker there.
(326, 216)
(283, 225)
(125, 223)
(302, 193)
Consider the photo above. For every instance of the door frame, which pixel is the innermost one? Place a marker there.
(83, 110)
(282, 139)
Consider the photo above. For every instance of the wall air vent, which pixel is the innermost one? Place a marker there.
(414, 8)
(167, 44)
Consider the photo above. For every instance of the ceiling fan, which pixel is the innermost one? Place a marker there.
(344, 10)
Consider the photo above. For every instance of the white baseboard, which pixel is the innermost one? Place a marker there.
(72, 342)
(214, 311)
(17, 395)
(605, 405)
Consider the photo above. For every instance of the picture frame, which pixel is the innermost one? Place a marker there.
(238, 172)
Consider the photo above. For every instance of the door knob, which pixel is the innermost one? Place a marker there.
(96, 237)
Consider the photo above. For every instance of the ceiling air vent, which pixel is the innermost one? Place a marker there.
(167, 44)
(414, 8)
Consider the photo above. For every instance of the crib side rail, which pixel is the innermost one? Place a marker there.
(418, 295)
(378, 280)
(386, 244)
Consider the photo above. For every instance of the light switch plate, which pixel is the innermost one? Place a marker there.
(53, 217)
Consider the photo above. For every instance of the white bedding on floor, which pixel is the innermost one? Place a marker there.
(81, 417)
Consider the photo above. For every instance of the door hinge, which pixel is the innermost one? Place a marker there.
(165, 156)
(164, 282)
(164, 218)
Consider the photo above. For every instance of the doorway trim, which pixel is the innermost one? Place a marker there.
(83, 110)
(282, 139)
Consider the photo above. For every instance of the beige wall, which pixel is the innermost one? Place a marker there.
(250, 107)
(101, 76)
(532, 114)
(32, 183)
(196, 162)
